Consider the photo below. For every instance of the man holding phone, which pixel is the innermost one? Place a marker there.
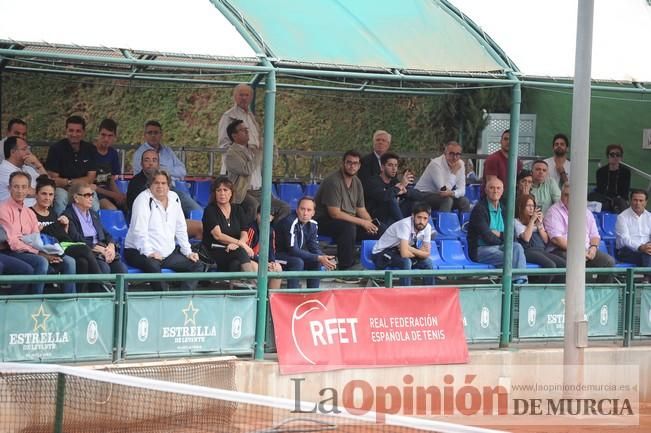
(384, 192)
(341, 212)
(443, 183)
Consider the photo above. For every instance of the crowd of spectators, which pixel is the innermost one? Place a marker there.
(50, 223)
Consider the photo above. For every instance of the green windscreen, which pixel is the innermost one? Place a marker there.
(407, 35)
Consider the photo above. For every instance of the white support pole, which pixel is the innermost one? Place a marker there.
(575, 321)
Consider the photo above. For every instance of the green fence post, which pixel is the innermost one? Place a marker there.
(629, 302)
(267, 165)
(507, 273)
(119, 317)
(60, 400)
(388, 279)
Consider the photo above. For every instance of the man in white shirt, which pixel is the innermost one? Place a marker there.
(633, 232)
(19, 158)
(406, 244)
(443, 183)
(559, 165)
(157, 225)
(15, 128)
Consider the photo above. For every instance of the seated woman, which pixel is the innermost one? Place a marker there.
(85, 226)
(531, 234)
(50, 225)
(613, 182)
(157, 226)
(225, 230)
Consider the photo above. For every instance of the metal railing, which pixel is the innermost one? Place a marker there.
(629, 301)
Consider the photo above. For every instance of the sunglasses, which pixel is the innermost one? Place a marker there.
(615, 154)
(86, 194)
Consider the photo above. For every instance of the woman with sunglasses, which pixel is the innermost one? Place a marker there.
(57, 227)
(85, 226)
(613, 182)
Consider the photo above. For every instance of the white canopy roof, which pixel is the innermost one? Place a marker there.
(170, 26)
(540, 36)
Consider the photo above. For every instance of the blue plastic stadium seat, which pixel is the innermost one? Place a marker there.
(465, 219)
(473, 192)
(608, 221)
(448, 226)
(290, 193)
(532, 266)
(183, 186)
(201, 191)
(196, 214)
(114, 223)
(311, 189)
(452, 253)
(122, 185)
(603, 247)
(438, 261)
(365, 254)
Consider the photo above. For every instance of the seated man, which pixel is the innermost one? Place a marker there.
(12, 266)
(486, 231)
(157, 226)
(15, 128)
(149, 165)
(297, 239)
(556, 224)
(371, 164)
(71, 160)
(443, 183)
(340, 209)
(107, 162)
(383, 192)
(544, 189)
(273, 263)
(168, 162)
(633, 230)
(406, 244)
(19, 158)
(18, 220)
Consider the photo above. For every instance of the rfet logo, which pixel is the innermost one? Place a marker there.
(316, 331)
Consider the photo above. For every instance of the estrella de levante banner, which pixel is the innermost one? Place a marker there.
(361, 327)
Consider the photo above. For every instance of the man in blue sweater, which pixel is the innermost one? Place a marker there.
(297, 237)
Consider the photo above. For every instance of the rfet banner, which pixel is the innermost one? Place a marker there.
(361, 327)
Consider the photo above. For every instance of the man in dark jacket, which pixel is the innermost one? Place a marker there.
(486, 231)
(370, 164)
(297, 238)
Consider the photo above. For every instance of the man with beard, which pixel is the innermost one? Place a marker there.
(383, 191)
(559, 165)
(496, 165)
(340, 209)
(406, 244)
